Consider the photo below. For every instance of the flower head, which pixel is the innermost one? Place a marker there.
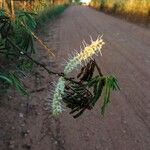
(59, 91)
(84, 55)
(87, 52)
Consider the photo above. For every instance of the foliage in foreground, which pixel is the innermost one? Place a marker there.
(16, 49)
(87, 91)
(84, 93)
(17, 38)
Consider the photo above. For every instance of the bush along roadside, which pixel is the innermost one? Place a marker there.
(49, 13)
(133, 10)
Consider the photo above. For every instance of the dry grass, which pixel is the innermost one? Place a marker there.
(133, 9)
(139, 7)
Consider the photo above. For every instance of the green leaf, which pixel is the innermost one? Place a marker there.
(93, 81)
(99, 88)
(19, 86)
(111, 84)
(5, 78)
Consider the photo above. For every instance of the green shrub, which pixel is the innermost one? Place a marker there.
(16, 39)
(49, 13)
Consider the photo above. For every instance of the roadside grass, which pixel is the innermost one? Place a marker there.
(49, 13)
(133, 10)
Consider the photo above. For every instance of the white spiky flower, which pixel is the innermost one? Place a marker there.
(87, 52)
(84, 55)
(59, 91)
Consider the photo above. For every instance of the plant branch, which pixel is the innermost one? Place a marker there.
(41, 65)
(98, 69)
(39, 40)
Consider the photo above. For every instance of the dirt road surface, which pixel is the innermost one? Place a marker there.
(126, 125)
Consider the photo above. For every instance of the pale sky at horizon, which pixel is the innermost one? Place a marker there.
(87, 1)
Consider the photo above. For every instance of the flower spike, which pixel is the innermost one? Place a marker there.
(78, 59)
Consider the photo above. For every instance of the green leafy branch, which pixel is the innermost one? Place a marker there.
(16, 49)
(85, 94)
(13, 80)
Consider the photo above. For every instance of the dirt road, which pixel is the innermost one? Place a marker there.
(126, 125)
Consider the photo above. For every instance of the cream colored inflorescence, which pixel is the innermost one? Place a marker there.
(87, 52)
(59, 91)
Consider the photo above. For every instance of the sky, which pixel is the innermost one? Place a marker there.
(87, 1)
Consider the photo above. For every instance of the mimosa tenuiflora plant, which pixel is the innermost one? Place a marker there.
(77, 95)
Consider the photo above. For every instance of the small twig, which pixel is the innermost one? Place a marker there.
(42, 65)
(39, 40)
(98, 69)
(38, 90)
